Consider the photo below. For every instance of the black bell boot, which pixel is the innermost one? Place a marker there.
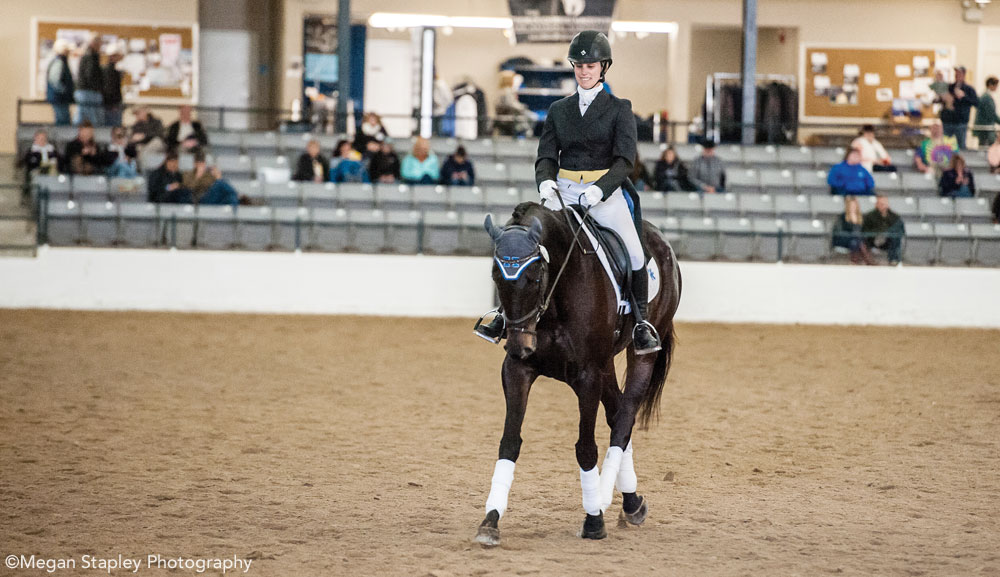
(644, 337)
(492, 331)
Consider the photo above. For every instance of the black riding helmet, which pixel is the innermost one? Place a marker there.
(591, 46)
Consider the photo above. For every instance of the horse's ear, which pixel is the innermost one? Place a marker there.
(535, 232)
(493, 230)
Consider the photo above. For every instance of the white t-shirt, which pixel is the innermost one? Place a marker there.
(871, 152)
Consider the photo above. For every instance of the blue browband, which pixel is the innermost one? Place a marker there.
(512, 267)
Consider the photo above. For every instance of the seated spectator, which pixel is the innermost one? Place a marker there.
(873, 155)
(166, 183)
(347, 165)
(147, 132)
(993, 155)
(884, 230)
(957, 181)
(513, 118)
(421, 165)
(185, 134)
(670, 173)
(935, 152)
(207, 185)
(370, 135)
(850, 178)
(312, 166)
(457, 169)
(708, 172)
(121, 155)
(42, 157)
(847, 232)
(640, 175)
(83, 154)
(384, 164)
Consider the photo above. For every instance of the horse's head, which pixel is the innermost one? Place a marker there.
(520, 271)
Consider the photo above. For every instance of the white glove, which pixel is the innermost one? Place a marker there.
(548, 190)
(593, 195)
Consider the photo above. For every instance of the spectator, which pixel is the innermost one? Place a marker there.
(935, 152)
(147, 134)
(512, 117)
(121, 155)
(986, 114)
(884, 230)
(993, 155)
(207, 185)
(90, 85)
(59, 85)
(312, 165)
(186, 134)
(347, 166)
(940, 86)
(112, 87)
(443, 97)
(850, 178)
(457, 169)
(873, 155)
(42, 157)
(384, 165)
(371, 131)
(847, 232)
(421, 165)
(708, 172)
(670, 172)
(957, 181)
(83, 154)
(640, 174)
(166, 183)
(962, 98)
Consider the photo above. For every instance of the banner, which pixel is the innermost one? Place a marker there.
(559, 20)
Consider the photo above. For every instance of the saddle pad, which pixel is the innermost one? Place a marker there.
(652, 269)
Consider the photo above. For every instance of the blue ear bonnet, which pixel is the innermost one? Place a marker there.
(516, 247)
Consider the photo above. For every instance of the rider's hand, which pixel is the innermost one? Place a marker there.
(593, 195)
(548, 190)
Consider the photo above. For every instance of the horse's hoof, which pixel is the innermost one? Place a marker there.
(593, 527)
(489, 531)
(639, 515)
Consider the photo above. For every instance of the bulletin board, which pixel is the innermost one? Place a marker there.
(159, 61)
(842, 83)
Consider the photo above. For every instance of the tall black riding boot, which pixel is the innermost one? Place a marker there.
(644, 337)
(492, 331)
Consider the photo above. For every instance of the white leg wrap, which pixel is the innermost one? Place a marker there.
(590, 482)
(503, 478)
(626, 475)
(609, 474)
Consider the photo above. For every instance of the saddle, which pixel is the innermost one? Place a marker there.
(614, 249)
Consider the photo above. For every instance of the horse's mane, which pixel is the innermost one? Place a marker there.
(550, 219)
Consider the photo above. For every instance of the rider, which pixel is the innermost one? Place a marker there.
(585, 154)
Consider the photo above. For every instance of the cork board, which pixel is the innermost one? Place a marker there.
(863, 83)
(159, 61)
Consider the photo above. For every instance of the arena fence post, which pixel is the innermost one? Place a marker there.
(41, 218)
(781, 238)
(298, 233)
(173, 231)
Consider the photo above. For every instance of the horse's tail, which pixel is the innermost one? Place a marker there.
(649, 406)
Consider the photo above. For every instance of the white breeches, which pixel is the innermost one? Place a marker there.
(612, 213)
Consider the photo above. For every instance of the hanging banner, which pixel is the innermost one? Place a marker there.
(559, 20)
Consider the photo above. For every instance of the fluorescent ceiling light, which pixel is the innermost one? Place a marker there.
(650, 27)
(396, 20)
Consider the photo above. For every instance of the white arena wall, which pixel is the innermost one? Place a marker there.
(429, 286)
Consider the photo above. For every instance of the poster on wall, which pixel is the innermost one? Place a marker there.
(558, 20)
(159, 62)
(320, 67)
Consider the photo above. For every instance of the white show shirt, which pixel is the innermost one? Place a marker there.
(587, 96)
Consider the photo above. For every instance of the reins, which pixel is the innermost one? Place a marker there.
(545, 303)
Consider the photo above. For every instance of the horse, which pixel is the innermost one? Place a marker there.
(562, 322)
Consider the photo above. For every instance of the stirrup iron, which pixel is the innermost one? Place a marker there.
(480, 330)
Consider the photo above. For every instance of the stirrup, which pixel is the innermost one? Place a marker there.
(483, 331)
(656, 339)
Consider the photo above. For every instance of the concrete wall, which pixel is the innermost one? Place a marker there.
(119, 279)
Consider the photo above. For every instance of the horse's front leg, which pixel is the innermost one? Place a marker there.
(590, 387)
(517, 378)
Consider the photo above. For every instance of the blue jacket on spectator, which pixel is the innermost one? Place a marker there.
(348, 170)
(850, 179)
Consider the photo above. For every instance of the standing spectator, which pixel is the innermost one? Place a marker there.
(121, 155)
(935, 152)
(166, 183)
(847, 232)
(443, 97)
(640, 174)
(670, 172)
(90, 85)
(963, 98)
(384, 165)
(42, 157)
(371, 130)
(850, 178)
(312, 166)
(940, 86)
(986, 114)
(112, 87)
(59, 86)
(957, 181)
(207, 185)
(883, 229)
(421, 165)
(708, 172)
(347, 165)
(993, 155)
(873, 155)
(83, 154)
(185, 134)
(457, 169)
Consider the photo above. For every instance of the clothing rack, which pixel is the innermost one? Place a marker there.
(713, 88)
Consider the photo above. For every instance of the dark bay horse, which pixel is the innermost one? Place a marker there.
(566, 327)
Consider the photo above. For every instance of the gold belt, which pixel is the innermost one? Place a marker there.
(582, 175)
